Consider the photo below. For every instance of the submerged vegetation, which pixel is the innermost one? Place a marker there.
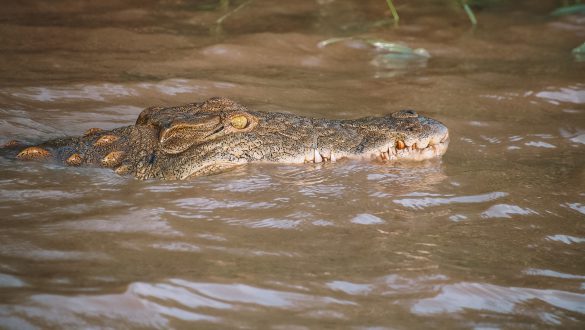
(393, 11)
(566, 8)
(465, 4)
(579, 53)
(570, 9)
(392, 58)
(393, 50)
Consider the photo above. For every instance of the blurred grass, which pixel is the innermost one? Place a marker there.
(393, 11)
(566, 7)
(569, 10)
(469, 12)
(579, 53)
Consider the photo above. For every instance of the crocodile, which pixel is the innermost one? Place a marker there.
(182, 142)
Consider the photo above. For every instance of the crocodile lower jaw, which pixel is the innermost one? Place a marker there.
(388, 153)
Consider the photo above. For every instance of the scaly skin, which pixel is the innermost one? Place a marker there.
(204, 138)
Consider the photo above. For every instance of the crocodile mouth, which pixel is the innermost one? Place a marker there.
(396, 151)
(416, 151)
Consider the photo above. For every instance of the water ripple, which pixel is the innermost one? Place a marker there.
(323, 190)
(366, 219)
(571, 94)
(148, 221)
(577, 207)
(459, 297)
(9, 281)
(208, 204)
(350, 288)
(100, 92)
(566, 239)
(241, 293)
(27, 250)
(28, 194)
(540, 144)
(420, 203)
(275, 223)
(173, 86)
(177, 246)
(552, 273)
(256, 183)
(505, 211)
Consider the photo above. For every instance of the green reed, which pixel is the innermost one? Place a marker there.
(393, 11)
(567, 7)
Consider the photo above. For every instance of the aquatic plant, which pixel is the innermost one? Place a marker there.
(225, 4)
(396, 49)
(463, 3)
(576, 8)
(469, 12)
(393, 11)
(392, 58)
(567, 8)
(579, 52)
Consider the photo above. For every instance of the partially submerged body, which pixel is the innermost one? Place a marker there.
(204, 138)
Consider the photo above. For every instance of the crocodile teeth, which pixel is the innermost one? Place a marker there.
(309, 156)
(384, 156)
(428, 153)
(32, 153)
(318, 158)
(422, 144)
(434, 141)
(437, 149)
(325, 154)
(400, 145)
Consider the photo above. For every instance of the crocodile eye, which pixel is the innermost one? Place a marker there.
(239, 122)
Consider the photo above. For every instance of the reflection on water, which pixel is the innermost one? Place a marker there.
(106, 91)
(566, 239)
(497, 299)
(419, 203)
(505, 211)
(491, 236)
(546, 272)
(572, 94)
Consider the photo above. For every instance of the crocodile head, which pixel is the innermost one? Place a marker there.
(218, 134)
(209, 137)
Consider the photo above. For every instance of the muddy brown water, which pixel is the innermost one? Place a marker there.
(490, 237)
